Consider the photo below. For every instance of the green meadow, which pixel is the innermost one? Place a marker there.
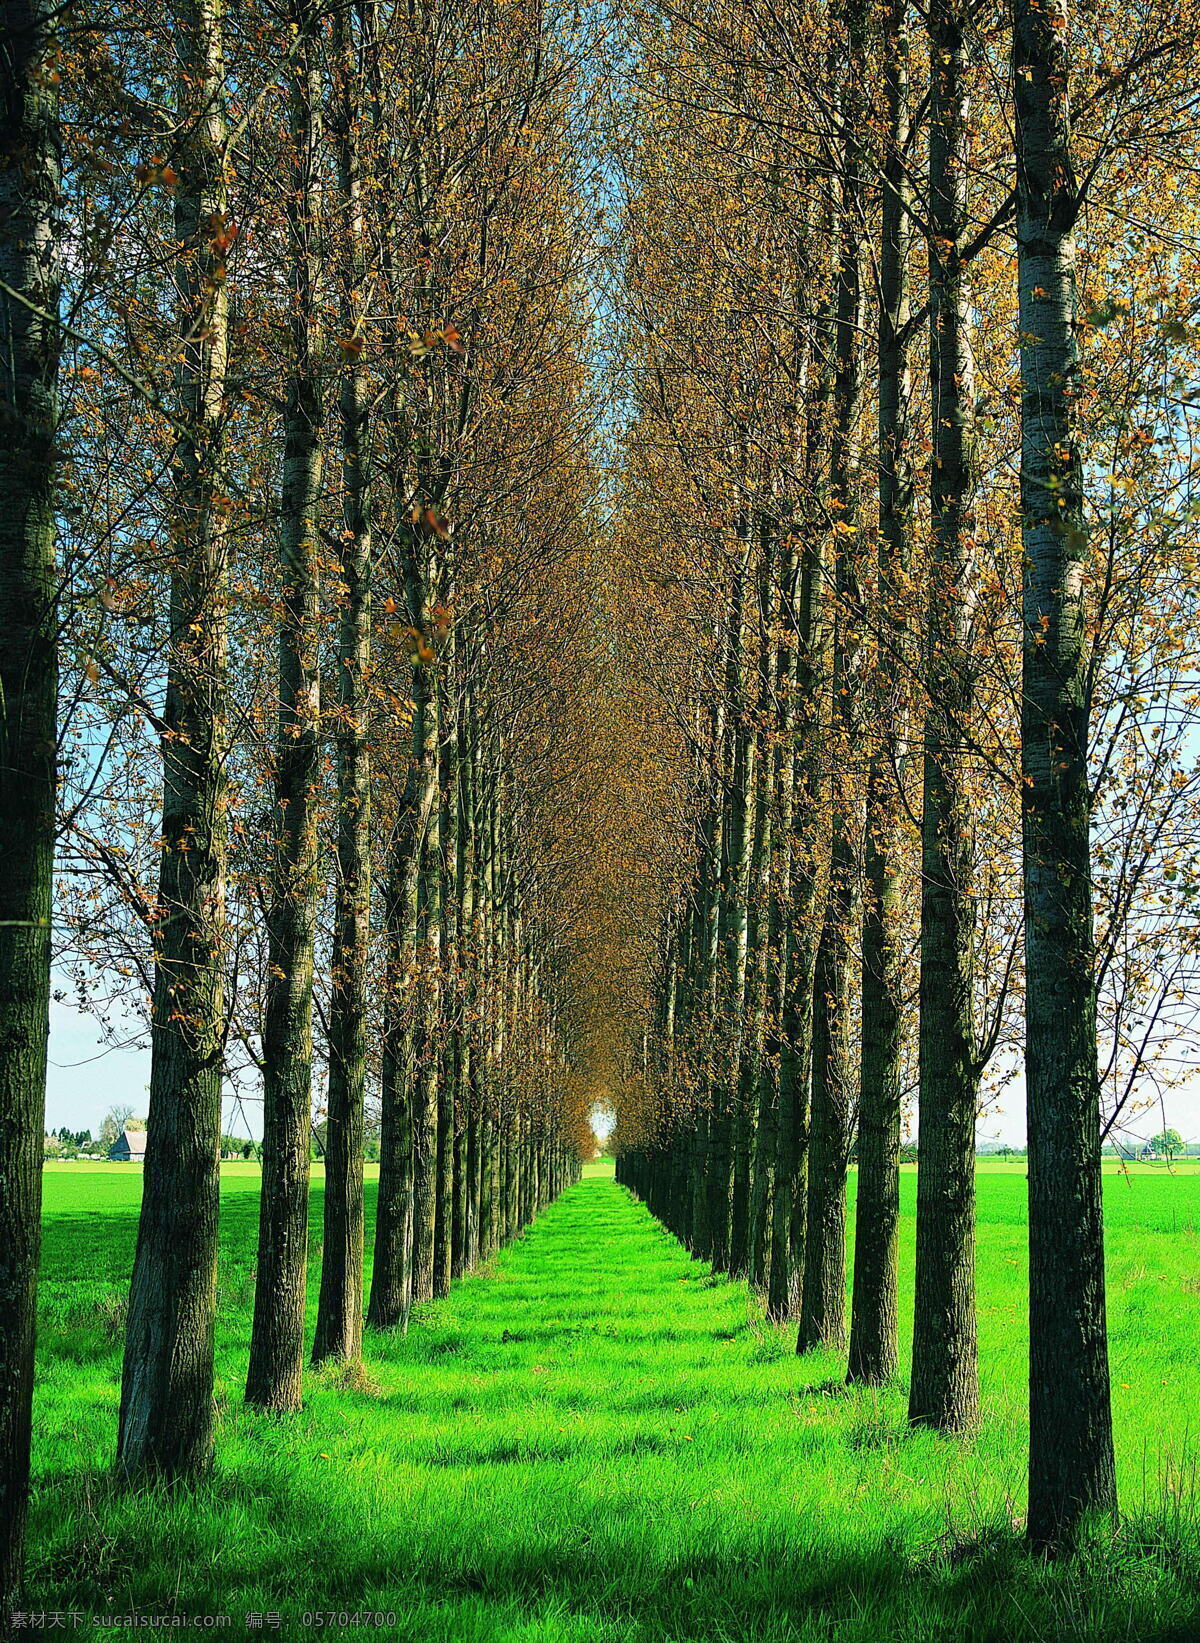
(593, 1439)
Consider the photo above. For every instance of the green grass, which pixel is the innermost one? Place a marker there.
(596, 1440)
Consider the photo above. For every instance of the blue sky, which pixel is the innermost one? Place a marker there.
(86, 1078)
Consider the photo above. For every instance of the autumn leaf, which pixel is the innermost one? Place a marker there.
(155, 173)
(115, 598)
(221, 232)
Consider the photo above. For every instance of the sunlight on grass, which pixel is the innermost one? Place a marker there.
(594, 1439)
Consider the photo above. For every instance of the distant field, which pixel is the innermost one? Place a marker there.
(596, 1440)
(602, 1168)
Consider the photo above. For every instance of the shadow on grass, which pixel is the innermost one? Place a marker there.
(588, 1443)
(156, 1552)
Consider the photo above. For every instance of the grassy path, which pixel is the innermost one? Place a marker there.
(595, 1440)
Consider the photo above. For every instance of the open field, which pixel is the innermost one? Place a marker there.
(595, 1440)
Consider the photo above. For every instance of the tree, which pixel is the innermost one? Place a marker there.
(823, 1298)
(340, 1308)
(521, 759)
(30, 179)
(166, 1388)
(873, 1325)
(1168, 1142)
(944, 1387)
(1071, 1467)
(277, 1338)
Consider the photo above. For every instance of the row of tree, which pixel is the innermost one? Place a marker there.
(914, 386)
(293, 334)
(830, 741)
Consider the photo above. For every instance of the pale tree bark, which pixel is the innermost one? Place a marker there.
(166, 1389)
(30, 175)
(1071, 1467)
(944, 1389)
(277, 1336)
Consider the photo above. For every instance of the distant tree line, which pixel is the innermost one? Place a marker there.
(73, 1138)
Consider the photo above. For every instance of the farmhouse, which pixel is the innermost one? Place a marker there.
(130, 1146)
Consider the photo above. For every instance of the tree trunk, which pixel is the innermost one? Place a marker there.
(761, 1090)
(944, 1389)
(474, 1209)
(274, 1379)
(466, 1176)
(166, 1389)
(731, 935)
(488, 1163)
(802, 823)
(705, 987)
(392, 1271)
(449, 1024)
(743, 798)
(428, 1008)
(340, 1307)
(30, 172)
(873, 1342)
(1071, 1468)
(823, 1301)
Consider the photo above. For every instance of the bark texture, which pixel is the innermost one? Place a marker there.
(277, 1335)
(1071, 1467)
(166, 1389)
(30, 170)
(944, 1389)
(823, 1299)
(873, 1326)
(340, 1306)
